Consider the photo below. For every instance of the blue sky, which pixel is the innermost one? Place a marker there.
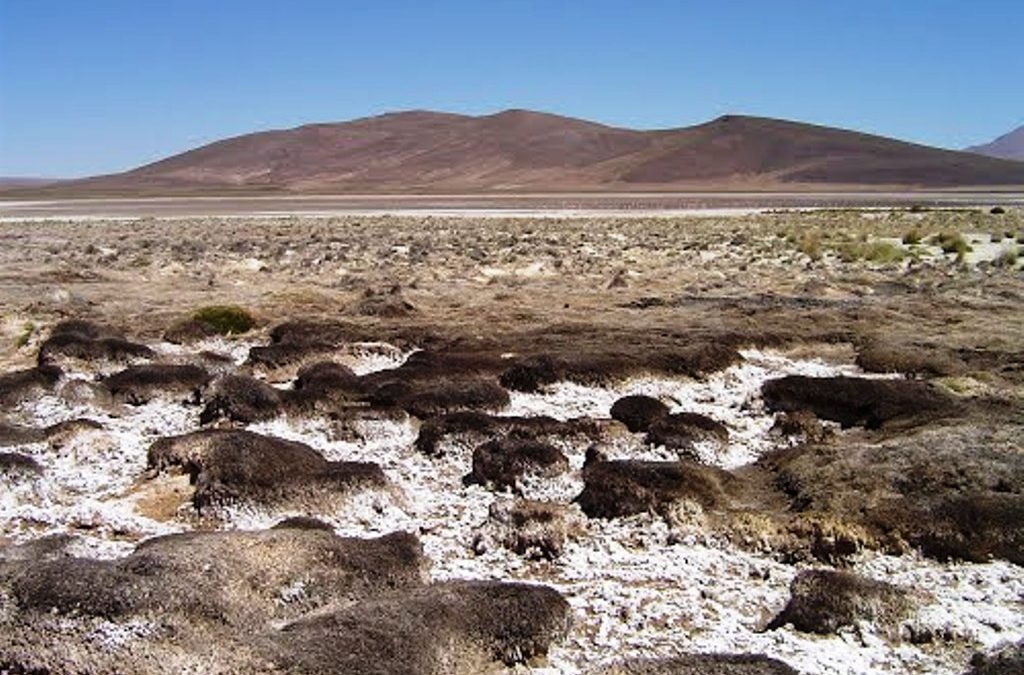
(93, 86)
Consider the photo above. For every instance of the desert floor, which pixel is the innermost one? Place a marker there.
(861, 513)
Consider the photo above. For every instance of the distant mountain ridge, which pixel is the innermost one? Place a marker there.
(521, 150)
(1007, 146)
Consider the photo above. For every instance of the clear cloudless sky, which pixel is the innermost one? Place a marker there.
(96, 86)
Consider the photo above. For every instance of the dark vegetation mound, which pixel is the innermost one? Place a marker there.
(1006, 661)
(429, 398)
(325, 387)
(207, 322)
(461, 627)
(21, 385)
(326, 377)
(230, 578)
(303, 523)
(502, 463)
(878, 356)
(287, 354)
(88, 341)
(140, 384)
(823, 601)
(296, 596)
(233, 465)
(481, 428)
(388, 304)
(801, 423)
(239, 398)
(853, 401)
(600, 366)
(18, 464)
(679, 431)
(621, 488)
(535, 530)
(701, 664)
(57, 434)
(951, 492)
(225, 319)
(11, 434)
(530, 374)
(638, 412)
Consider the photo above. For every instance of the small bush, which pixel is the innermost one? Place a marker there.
(883, 252)
(918, 208)
(225, 319)
(849, 252)
(1006, 258)
(912, 238)
(952, 243)
(997, 210)
(810, 245)
(26, 334)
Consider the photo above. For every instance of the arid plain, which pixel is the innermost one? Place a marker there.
(741, 441)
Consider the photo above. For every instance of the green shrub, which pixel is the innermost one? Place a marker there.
(997, 210)
(918, 208)
(952, 243)
(1006, 258)
(26, 334)
(810, 245)
(883, 252)
(225, 319)
(850, 252)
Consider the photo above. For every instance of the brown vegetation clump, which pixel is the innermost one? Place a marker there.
(22, 385)
(621, 488)
(87, 341)
(503, 463)
(951, 492)
(139, 384)
(477, 428)
(530, 374)
(223, 577)
(801, 423)
(459, 627)
(229, 465)
(426, 399)
(1006, 661)
(680, 431)
(823, 601)
(238, 398)
(638, 412)
(533, 529)
(18, 464)
(879, 356)
(700, 664)
(853, 401)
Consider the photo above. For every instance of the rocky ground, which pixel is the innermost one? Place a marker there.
(775, 443)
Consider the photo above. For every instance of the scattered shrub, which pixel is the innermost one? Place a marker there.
(883, 252)
(225, 319)
(997, 210)
(1006, 258)
(952, 243)
(26, 334)
(918, 208)
(912, 238)
(810, 245)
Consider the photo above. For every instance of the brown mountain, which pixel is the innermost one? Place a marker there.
(519, 150)
(1007, 146)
